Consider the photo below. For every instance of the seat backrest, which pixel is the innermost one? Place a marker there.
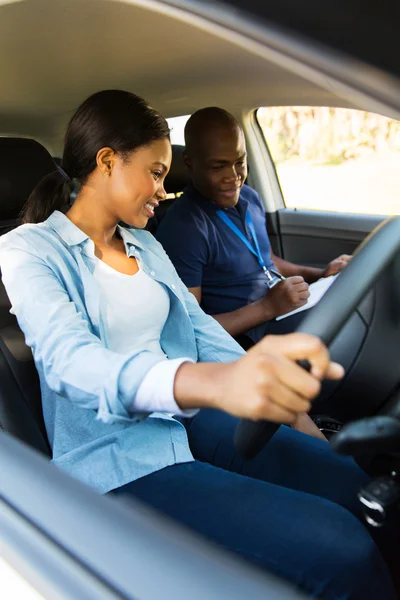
(175, 182)
(178, 177)
(20, 401)
(23, 163)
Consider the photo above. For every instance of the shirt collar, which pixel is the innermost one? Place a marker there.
(73, 236)
(129, 237)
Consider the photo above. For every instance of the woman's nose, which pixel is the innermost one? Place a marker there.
(161, 194)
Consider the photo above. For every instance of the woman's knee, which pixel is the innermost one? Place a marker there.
(351, 563)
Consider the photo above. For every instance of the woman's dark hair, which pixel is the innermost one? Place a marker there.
(111, 118)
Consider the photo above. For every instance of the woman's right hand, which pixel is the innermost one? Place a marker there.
(265, 384)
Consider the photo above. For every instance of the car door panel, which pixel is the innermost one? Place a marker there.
(314, 238)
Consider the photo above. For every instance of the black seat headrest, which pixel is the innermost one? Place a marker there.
(177, 178)
(23, 163)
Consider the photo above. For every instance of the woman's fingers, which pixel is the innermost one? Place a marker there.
(282, 371)
(267, 383)
(301, 346)
(335, 371)
(277, 414)
(289, 399)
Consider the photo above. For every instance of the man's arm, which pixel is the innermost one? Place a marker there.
(240, 320)
(288, 269)
(310, 274)
(284, 297)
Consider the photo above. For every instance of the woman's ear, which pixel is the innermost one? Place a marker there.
(105, 160)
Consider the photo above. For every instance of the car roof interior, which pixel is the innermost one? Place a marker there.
(178, 66)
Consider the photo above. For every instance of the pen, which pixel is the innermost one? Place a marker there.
(277, 274)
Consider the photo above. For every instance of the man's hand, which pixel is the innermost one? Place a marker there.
(337, 265)
(286, 296)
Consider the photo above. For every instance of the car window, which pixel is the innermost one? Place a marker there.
(177, 126)
(334, 159)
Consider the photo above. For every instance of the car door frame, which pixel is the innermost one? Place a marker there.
(67, 541)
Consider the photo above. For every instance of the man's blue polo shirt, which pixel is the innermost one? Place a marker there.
(207, 253)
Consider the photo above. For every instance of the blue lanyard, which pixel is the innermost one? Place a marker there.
(253, 249)
(272, 276)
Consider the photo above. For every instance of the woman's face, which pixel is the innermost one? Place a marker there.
(136, 183)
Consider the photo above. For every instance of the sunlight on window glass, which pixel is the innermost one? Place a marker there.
(177, 126)
(335, 159)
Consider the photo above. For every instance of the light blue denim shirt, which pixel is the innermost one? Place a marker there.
(87, 390)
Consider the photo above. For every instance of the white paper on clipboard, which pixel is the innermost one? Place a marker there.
(317, 290)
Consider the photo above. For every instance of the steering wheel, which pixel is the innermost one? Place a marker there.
(371, 259)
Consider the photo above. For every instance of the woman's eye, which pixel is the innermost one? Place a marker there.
(156, 174)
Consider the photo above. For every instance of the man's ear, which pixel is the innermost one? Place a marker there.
(187, 160)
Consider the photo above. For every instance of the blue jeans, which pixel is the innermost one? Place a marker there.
(288, 511)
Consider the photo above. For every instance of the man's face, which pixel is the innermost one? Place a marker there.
(218, 166)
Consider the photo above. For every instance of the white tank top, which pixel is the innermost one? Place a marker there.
(135, 309)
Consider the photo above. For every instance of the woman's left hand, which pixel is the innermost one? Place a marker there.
(306, 425)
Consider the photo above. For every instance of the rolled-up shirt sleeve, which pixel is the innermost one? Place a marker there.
(156, 392)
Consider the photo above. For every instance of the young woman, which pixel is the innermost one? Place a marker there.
(121, 346)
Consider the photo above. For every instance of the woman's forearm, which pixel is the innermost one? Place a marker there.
(197, 385)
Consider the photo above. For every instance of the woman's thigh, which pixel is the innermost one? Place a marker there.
(308, 540)
(290, 459)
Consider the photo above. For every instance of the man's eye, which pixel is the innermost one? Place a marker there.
(216, 168)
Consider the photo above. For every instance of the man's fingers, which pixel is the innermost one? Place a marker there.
(295, 279)
(304, 295)
(300, 287)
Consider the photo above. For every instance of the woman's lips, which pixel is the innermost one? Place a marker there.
(149, 207)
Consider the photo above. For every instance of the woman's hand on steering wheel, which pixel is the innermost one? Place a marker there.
(268, 384)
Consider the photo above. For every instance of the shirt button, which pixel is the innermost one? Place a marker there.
(152, 273)
(173, 287)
